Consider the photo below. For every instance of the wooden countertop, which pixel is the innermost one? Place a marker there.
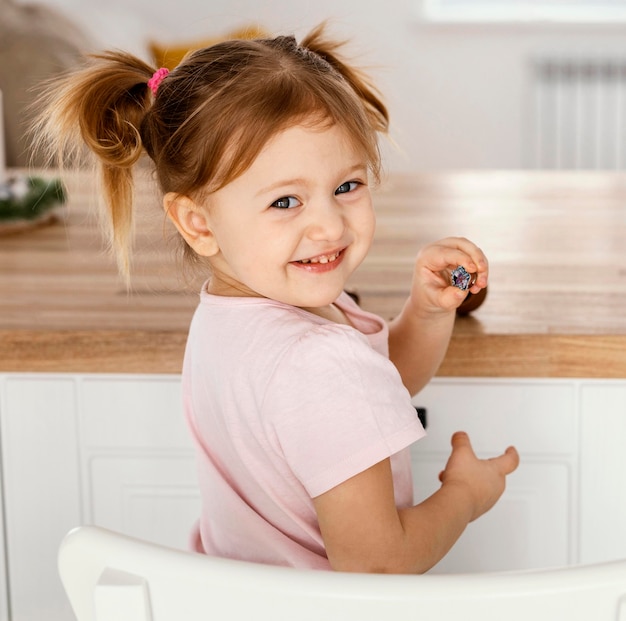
(556, 304)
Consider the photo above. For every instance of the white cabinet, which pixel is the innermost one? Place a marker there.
(115, 451)
(603, 471)
(112, 451)
(137, 463)
(533, 524)
(4, 585)
(41, 490)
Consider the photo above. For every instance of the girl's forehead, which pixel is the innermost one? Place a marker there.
(304, 142)
(300, 156)
(301, 135)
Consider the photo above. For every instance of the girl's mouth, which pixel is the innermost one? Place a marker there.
(322, 262)
(323, 258)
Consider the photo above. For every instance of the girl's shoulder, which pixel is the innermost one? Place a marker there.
(259, 311)
(271, 327)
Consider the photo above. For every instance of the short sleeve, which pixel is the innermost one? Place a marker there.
(335, 407)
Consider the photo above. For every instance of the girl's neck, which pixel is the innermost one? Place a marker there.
(332, 313)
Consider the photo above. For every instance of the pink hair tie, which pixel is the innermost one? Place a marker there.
(157, 77)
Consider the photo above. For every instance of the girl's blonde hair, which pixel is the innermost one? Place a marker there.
(209, 119)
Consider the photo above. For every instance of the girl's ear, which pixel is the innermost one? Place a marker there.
(191, 222)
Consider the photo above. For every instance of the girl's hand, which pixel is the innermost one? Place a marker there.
(482, 479)
(432, 291)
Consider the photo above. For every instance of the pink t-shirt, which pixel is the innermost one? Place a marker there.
(283, 406)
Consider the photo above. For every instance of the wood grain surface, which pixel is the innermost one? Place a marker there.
(556, 243)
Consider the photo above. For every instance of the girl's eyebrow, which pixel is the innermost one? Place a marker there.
(360, 167)
(281, 184)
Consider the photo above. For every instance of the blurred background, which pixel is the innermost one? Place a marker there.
(470, 84)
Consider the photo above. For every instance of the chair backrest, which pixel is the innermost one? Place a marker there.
(111, 577)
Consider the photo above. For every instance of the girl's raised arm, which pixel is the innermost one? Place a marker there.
(363, 530)
(419, 336)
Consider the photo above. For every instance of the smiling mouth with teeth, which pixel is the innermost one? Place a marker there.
(323, 258)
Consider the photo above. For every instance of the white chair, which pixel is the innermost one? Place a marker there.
(111, 577)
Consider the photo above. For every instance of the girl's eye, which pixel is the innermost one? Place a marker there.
(348, 186)
(286, 202)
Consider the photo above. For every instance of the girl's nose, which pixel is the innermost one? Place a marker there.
(326, 221)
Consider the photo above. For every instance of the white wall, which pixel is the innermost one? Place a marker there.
(458, 95)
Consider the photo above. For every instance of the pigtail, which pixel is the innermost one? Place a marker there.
(100, 106)
(327, 49)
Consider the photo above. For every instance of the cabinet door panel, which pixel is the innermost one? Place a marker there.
(42, 492)
(138, 461)
(532, 524)
(538, 418)
(603, 472)
(4, 585)
(151, 497)
(133, 412)
(527, 528)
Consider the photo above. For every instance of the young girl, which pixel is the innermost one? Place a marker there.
(299, 402)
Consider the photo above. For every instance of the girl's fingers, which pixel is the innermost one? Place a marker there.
(452, 252)
(509, 460)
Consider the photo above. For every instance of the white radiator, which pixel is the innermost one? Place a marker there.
(578, 118)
